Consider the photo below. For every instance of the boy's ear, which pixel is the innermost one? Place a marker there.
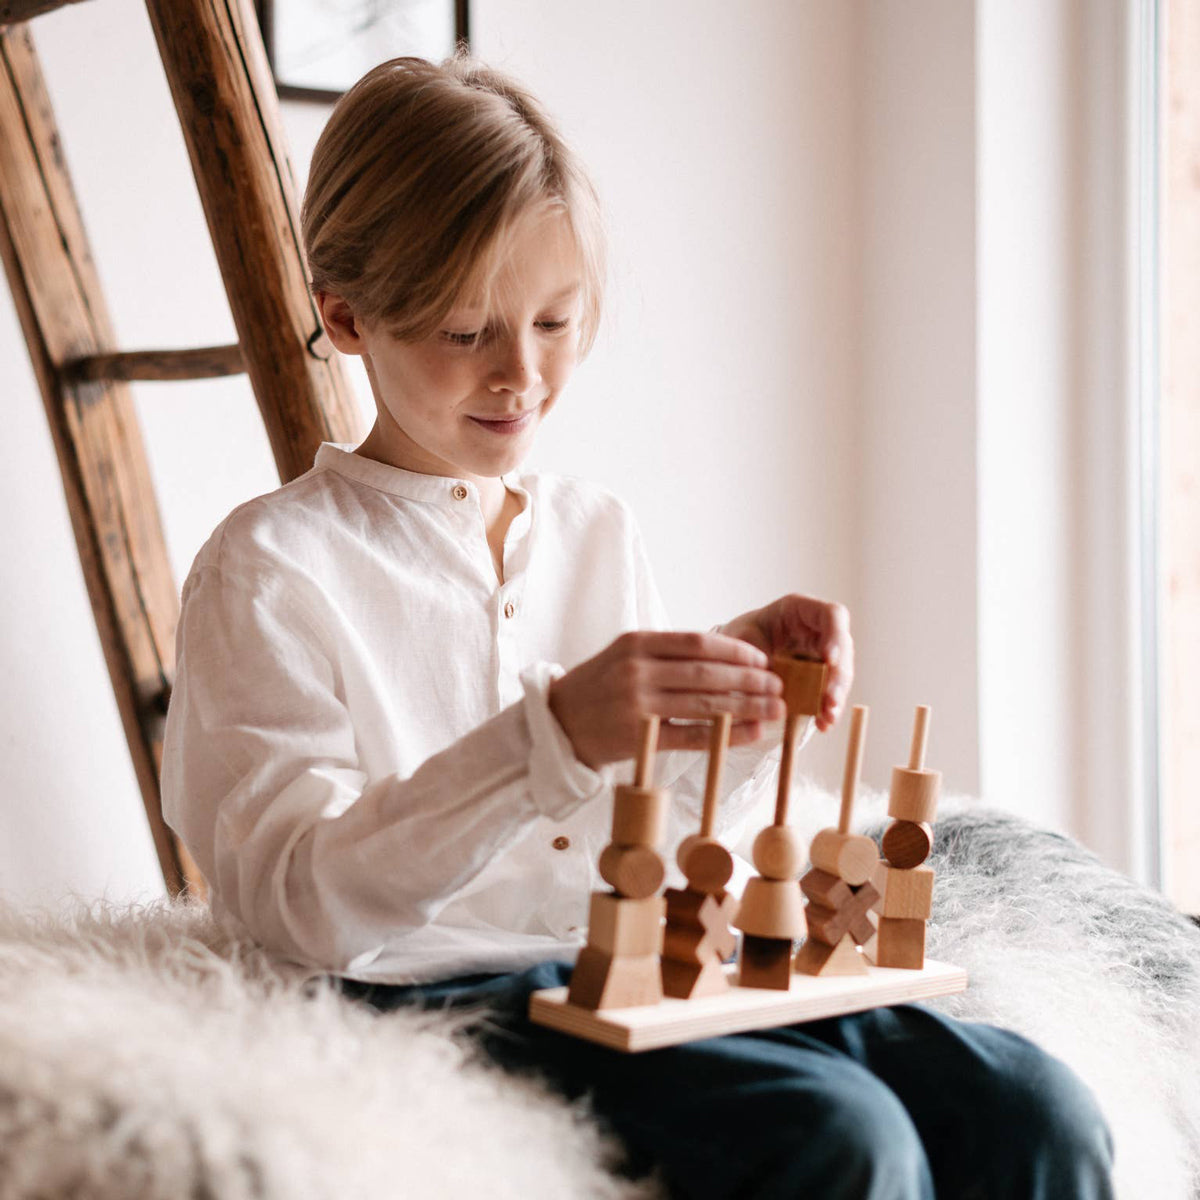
(343, 328)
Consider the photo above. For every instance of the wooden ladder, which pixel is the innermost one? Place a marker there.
(217, 69)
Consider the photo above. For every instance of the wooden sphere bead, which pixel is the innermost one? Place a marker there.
(778, 852)
(803, 683)
(914, 794)
(639, 816)
(907, 844)
(706, 863)
(771, 908)
(847, 855)
(632, 871)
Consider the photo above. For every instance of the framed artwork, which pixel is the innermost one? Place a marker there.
(318, 48)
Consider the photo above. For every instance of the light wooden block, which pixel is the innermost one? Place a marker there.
(907, 844)
(816, 958)
(803, 683)
(906, 894)
(808, 998)
(825, 889)
(639, 815)
(619, 925)
(765, 963)
(634, 871)
(698, 928)
(771, 908)
(602, 981)
(848, 855)
(914, 794)
(687, 981)
(707, 865)
(901, 943)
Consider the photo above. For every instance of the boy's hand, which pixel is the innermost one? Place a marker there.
(675, 675)
(815, 628)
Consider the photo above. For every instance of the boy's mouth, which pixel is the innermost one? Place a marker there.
(507, 425)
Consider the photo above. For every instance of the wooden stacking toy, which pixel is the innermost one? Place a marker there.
(698, 938)
(621, 964)
(771, 914)
(904, 884)
(838, 888)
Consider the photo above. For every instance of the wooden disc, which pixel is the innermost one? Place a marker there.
(906, 844)
(708, 866)
(850, 856)
(633, 871)
(778, 852)
(914, 794)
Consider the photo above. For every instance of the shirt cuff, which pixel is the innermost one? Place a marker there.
(558, 782)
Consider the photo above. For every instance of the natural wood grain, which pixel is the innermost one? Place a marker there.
(217, 70)
(805, 999)
(93, 425)
(25, 10)
(209, 362)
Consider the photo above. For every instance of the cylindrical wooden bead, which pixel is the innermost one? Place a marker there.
(803, 683)
(771, 908)
(847, 855)
(778, 852)
(639, 815)
(907, 844)
(707, 865)
(914, 794)
(633, 871)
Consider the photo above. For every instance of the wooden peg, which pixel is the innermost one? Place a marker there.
(907, 844)
(707, 865)
(916, 755)
(854, 757)
(718, 744)
(790, 728)
(647, 745)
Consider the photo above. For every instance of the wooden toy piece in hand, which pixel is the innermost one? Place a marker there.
(803, 683)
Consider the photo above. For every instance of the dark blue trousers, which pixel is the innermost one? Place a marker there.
(888, 1104)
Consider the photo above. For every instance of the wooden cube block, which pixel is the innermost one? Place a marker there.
(765, 963)
(601, 981)
(816, 958)
(907, 894)
(619, 925)
(901, 943)
(914, 794)
(907, 844)
(803, 683)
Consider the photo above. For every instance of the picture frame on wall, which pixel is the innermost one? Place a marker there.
(318, 48)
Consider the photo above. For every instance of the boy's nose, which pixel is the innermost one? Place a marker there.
(516, 368)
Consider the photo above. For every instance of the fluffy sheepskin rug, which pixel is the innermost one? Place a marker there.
(142, 1054)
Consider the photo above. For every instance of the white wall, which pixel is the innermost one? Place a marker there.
(803, 206)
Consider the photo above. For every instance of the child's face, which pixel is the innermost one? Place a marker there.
(467, 400)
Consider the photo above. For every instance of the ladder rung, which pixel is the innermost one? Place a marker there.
(208, 362)
(23, 10)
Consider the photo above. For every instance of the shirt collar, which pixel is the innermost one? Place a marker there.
(410, 485)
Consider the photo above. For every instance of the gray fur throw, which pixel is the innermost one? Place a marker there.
(143, 1054)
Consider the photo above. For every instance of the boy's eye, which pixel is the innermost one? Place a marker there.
(553, 326)
(461, 339)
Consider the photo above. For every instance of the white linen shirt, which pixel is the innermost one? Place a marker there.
(359, 753)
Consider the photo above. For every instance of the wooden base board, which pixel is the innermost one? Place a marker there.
(740, 1009)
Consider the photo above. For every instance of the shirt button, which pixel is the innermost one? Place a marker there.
(510, 609)
(561, 843)
(460, 492)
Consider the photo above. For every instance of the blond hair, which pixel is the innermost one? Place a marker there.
(418, 182)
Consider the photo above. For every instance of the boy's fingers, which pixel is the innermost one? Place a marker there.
(703, 706)
(696, 737)
(717, 647)
(680, 675)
